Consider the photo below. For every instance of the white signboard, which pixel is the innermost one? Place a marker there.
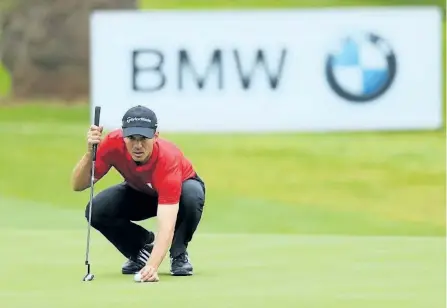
(270, 70)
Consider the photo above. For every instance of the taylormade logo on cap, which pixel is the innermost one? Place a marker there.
(129, 119)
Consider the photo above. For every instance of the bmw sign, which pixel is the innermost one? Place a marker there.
(362, 68)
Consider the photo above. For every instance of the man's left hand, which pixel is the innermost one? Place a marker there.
(149, 273)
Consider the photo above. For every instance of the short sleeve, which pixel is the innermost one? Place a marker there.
(168, 182)
(103, 153)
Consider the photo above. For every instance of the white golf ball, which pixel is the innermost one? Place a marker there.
(137, 277)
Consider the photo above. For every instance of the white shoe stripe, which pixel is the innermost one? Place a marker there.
(143, 255)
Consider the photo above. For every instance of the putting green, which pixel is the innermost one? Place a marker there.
(269, 232)
(46, 269)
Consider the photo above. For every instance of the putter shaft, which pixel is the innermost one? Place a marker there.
(87, 251)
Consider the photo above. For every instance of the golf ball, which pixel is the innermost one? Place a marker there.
(137, 277)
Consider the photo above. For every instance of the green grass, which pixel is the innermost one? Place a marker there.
(231, 271)
(282, 225)
(291, 220)
(365, 183)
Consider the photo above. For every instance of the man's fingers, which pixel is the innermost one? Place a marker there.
(145, 274)
(94, 135)
(95, 128)
(153, 278)
(149, 275)
(94, 139)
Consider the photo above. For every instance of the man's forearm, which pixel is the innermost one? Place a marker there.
(163, 241)
(82, 172)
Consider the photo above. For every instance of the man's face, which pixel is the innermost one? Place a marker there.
(139, 147)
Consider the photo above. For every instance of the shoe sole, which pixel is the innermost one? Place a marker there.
(185, 273)
(182, 273)
(127, 272)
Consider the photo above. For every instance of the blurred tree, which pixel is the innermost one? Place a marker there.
(45, 45)
(5, 78)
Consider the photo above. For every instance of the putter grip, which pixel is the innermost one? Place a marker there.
(96, 122)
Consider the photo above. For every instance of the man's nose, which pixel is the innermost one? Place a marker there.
(137, 144)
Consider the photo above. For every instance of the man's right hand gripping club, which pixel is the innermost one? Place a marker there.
(81, 173)
(94, 136)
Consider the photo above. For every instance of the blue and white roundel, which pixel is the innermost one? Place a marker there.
(362, 68)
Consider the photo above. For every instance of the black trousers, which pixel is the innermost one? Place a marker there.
(116, 207)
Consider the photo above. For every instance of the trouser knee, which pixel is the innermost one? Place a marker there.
(191, 202)
(96, 217)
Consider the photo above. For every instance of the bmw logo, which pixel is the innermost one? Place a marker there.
(362, 68)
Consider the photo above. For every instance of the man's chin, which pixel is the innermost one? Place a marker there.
(139, 159)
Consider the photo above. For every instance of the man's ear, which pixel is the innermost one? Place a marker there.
(156, 135)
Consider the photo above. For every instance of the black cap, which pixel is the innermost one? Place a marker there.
(139, 120)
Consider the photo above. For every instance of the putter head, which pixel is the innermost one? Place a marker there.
(89, 277)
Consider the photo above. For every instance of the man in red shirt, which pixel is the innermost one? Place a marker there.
(158, 181)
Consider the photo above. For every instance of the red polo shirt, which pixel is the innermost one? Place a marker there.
(162, 175)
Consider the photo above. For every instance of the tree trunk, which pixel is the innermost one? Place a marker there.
(45, 46)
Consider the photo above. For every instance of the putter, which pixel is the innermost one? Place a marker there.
(89, 276)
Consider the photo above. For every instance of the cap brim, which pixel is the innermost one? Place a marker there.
(143, 131)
